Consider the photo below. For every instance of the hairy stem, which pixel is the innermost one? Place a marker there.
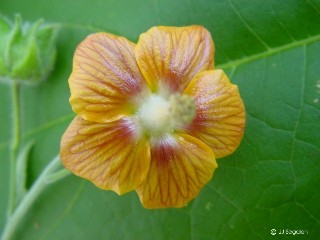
(14, 145)
(39, 185)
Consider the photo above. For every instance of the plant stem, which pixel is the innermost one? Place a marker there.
(39, 185)
(57, 175)
(14, 145)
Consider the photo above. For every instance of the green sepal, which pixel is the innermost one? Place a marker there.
(30, 51)
(5, 28)
(46, 39)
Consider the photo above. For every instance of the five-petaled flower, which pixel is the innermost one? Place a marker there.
(152, 116)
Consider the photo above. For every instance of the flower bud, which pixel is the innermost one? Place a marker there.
(27, 50)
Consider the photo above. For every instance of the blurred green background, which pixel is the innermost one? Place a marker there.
(270, 49)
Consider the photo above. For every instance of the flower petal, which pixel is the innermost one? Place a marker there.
(111, 155)
(220, 116)
(169, 57)
(180, 166)
(105, 80)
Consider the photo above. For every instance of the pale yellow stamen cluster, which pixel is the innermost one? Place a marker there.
(159, 115)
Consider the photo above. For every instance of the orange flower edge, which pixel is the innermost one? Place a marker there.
(111, 155)
(180, 166)
(220, 117)
(152, 117)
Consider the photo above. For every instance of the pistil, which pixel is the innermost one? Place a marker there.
(159, 115)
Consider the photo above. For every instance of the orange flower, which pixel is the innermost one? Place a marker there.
(152, 117)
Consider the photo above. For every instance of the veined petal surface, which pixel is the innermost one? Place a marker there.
(180, 166)
(169, 57)
(111, 155)
(106, 81)
(220, 116)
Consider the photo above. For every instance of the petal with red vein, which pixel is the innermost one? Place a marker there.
(180, 166)
(220, 116)
(105, 81)
(169, 57)
(111, 155)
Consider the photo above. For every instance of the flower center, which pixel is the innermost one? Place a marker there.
(159, 115)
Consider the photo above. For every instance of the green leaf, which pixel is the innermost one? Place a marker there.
(269, 48)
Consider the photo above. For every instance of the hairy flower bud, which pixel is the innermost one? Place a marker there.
(27, 50)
